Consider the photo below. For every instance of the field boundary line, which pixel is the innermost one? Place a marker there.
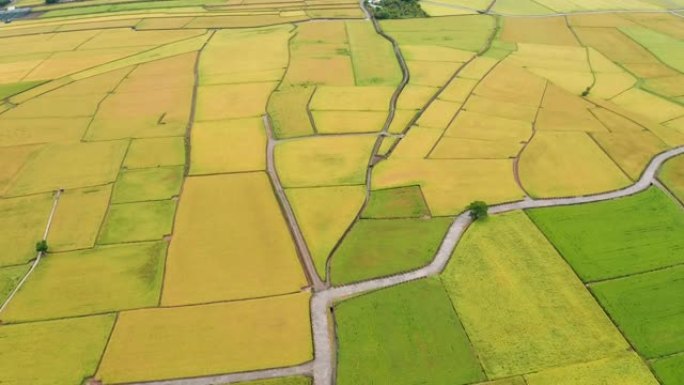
(39, 255)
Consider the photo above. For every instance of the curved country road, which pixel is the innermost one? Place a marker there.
(322, 301)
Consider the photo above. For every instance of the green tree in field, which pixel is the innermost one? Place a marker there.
(42, 246)
(478, 209)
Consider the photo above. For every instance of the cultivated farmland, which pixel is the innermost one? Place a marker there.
(277, 192)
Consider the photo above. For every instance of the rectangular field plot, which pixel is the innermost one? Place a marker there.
(12, 160)
(372, 56)
(379, 247)
(287, 109)
(147, 184)
(215, 339)
(449, 184)
(324, 160)
(228, 146)
(623, 369)
(375, 98)
(137, 221)
(647, 308)
(237, 56)
(567, 164)
(468, 33)
(521, 305)
(153, 100)
(91, 281)
(54, 352)
(618, 237)
(22, 223)
(230, 242)
(230, 101)
(54, 166)
(408, 334)
(155, 152)
(331, 122)
(78, 218)
(400, 202)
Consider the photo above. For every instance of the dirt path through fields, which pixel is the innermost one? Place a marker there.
(39, 255)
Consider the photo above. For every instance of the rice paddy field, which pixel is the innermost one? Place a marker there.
(275, 193)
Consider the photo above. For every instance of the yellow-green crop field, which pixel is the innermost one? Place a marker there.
(219, 191)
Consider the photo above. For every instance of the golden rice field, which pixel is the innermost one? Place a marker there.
(200, 171)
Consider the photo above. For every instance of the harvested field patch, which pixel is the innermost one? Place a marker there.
(12, 160)
(218, 338)
(324, 214)
(379, 247)
(137, 221)
(460, 148)
(215, 257)
(431, 73)
(400, 122)
(502, 277)
(624, 369)
(22, 223)
(631, 151)
(672, 174)
(228, 146)
(78, 218)
(230, 101)
(372, 56)
(599, 241)
(155, 152)
(54, 352)
(646, 307)
(288, 111)
(567, 164)
(458, 90)
(438, 114)
(333, 122)
(52, 168)
(415, 97)
(128, 276)
(435, 53)
(147, 184)
(399, 202)
(255, 54)
(324, 160)
(649, 105)
(374, 98)
(551, 30)
(449, 185)
(475, 125)
(373, 347)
